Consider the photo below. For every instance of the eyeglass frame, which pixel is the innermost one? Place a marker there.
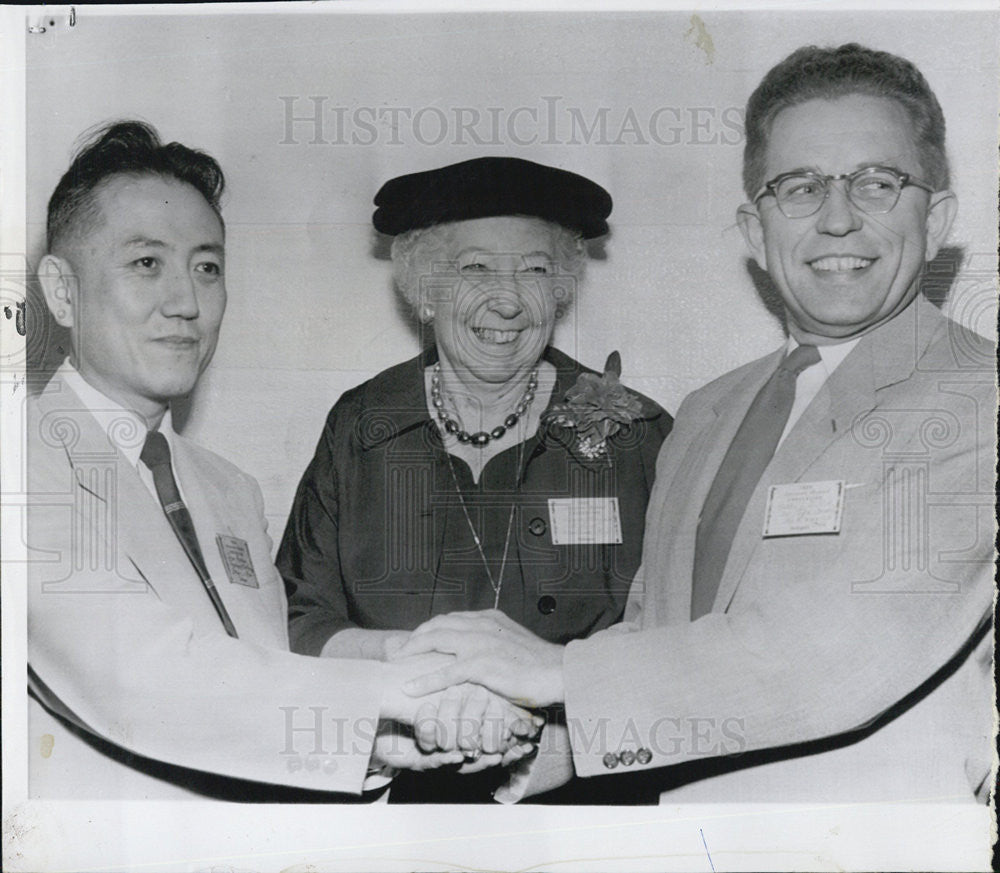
(903, 179)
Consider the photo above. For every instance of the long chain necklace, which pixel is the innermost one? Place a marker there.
(480, 438)
(497, 584)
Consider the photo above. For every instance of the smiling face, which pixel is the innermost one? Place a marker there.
(842, 272)
(494, 321)
(142, 291)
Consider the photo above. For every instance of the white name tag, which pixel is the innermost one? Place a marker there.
(577, 521)
(804, 508)
(236, 558)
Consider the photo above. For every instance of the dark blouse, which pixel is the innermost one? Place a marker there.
(377, 537)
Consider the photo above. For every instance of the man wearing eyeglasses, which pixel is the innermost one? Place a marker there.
(811, 618)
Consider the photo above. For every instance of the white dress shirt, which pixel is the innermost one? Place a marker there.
(126, 429)
(812, 378)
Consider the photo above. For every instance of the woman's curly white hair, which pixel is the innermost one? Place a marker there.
(417, 255)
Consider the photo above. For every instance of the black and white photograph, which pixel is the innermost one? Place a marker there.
(443, 437)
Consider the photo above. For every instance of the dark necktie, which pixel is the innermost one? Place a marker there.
(156, 455)
(749, 454)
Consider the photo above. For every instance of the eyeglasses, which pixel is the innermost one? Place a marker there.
(873, 190)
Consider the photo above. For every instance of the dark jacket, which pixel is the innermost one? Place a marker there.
(377, 506)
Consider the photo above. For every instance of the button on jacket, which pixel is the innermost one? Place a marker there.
(377, 537)
(136, 690)
(847, 668)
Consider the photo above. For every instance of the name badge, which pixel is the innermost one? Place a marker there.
(576, 521)
(236, 557)
(803, 508)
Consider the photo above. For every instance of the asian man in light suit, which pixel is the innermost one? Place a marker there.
(811, 618)
(158, 651)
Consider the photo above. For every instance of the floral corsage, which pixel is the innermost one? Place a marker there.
(596, 407)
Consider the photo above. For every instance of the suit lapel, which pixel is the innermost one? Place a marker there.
(101, 471)
(153, 547)
(258, 613)
(884, 357)
(199, 488)
(676, 528)
(848, 393)
(134, 528)
(669, 548)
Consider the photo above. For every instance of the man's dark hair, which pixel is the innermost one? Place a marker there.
(827, 73)
(130, 148)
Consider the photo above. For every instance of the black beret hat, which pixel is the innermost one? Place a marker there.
(487, 187)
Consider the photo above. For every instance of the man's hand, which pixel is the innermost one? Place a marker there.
(466, 718)
(476, 721)
(491, 650)
(356, 642)
(396, 747)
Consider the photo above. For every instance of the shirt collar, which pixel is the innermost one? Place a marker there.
(831, 355)
(125, 429)
(395, 402)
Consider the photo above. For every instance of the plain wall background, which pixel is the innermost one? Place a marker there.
(311, 308)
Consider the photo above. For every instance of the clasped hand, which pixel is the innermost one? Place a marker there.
(489, 649)
(492, 650)
(463, 725)
(471, 678)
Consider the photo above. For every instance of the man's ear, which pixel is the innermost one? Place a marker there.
(941, 213)
(60, 287)
(752, 229)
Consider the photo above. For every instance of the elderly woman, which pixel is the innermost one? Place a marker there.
(492, 471)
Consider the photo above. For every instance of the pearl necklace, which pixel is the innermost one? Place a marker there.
(480, 438)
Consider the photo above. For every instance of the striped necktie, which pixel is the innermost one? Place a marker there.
(156, 455)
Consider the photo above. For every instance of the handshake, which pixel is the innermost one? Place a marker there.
(463, 690)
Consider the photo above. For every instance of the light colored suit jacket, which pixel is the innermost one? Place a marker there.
(137, 691)
(848, 666)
